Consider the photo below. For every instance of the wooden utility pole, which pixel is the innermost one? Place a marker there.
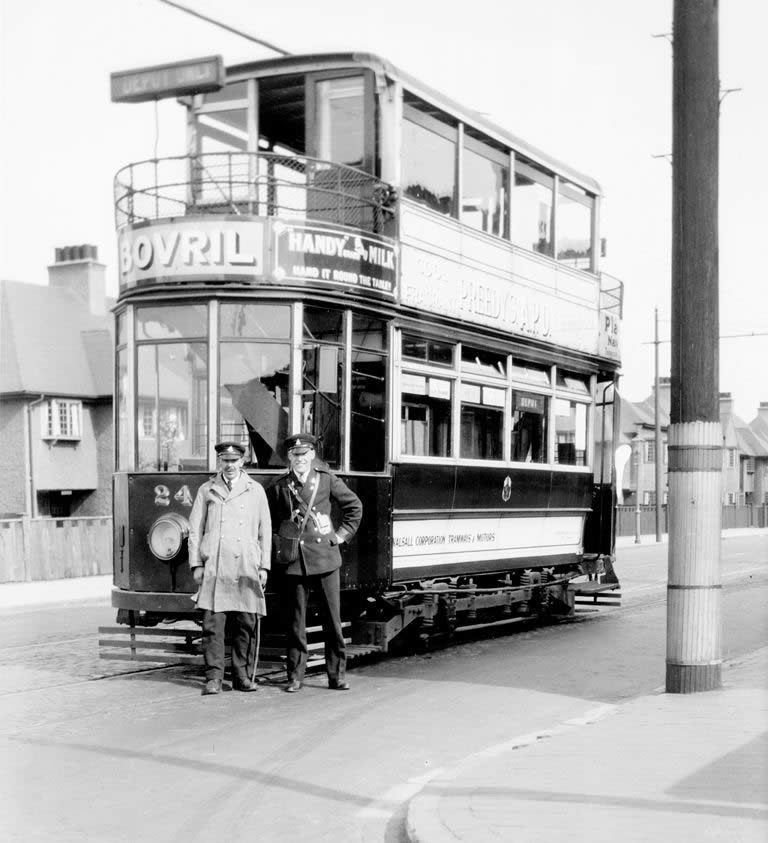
(694, 646)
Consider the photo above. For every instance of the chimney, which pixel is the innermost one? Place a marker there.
(665, 393)
(77, 268)
(726, 403)
(762, 410)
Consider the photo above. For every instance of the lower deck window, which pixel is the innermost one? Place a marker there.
(529, 427)
(425, 426)
(570, 432)
(482, 422)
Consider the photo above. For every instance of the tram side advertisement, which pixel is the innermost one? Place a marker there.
(322, 254)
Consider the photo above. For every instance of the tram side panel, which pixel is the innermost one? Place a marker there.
(464, 521)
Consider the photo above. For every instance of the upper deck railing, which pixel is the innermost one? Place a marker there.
(258, 183)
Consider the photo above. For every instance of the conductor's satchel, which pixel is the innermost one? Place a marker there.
(287, 542)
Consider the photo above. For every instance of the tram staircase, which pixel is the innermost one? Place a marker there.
(180, 644)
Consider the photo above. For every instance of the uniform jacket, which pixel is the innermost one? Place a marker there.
(230, 533)
(318, 548)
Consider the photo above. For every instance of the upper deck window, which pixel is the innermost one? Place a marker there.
(574, 226)
(485, 187)
(429, 159)
(341, 120)
(531, 208)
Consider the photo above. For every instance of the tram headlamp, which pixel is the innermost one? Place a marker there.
(167, 534)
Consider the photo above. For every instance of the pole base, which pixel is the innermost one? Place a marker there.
(691, 678)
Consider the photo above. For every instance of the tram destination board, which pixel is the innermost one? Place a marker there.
(177, 79)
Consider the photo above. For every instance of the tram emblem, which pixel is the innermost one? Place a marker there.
(506, 489)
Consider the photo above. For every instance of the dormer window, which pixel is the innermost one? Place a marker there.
(61, 419)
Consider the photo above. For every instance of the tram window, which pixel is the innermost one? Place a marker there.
(430, 351)
(341, 120)
(603, 431)
(172, 407)
(572, 382)
(121, 333)
(429, 162)
(367, 416)
(171, 322)
(570, 432)
(482, 422)
(322, 390)
(255, 321)
(574, 226)
(485, 198)
(480, 361)
(530, 372)
(323, 324)
(368, 332)
(253, 398)
(425, 420)
(121, 438)
(531, 209)
(529, 427)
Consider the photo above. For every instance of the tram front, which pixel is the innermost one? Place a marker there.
(256, 276)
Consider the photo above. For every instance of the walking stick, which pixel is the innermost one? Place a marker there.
(258, 647)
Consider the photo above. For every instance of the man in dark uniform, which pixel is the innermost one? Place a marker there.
(230, 542)
(308, 489)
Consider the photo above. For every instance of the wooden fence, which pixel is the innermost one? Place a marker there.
(54, 548)
(733, 516)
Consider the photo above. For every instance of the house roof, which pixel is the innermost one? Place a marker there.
(51, 344)
(749, 441)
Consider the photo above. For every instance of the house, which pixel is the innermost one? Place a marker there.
(56, 381)
(745, 451)
(759, 429)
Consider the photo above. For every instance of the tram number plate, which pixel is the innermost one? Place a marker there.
(163, 496)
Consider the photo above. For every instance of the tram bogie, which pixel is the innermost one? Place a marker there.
(345, 252)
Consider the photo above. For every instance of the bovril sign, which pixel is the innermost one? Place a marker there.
(188, 250)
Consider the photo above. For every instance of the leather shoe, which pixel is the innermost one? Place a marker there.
(245, 685)
(212, 686)
(293, 686)
(338, 684)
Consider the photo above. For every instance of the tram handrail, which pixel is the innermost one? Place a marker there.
(257, 183)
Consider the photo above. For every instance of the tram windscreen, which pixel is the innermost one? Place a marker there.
(265, 420)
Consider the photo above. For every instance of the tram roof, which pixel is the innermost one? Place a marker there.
(323, 61)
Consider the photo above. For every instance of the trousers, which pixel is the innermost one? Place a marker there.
(243, 634)
(297, 590)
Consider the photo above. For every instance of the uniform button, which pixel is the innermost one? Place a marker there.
(302, 541)
(238, 538)
(318, 540)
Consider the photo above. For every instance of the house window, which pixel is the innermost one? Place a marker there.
(750, 465)
(730, 456)
(61, 419)
(650, 451)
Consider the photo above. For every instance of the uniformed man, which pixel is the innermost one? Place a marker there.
(305, 494)
(230, 543)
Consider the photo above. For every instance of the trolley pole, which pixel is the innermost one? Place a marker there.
(694, 647)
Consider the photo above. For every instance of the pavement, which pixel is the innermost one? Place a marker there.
(658, 767)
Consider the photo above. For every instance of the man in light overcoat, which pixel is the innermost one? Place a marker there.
(230, 542)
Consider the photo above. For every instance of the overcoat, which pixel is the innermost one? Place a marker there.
(318, 547)
(230, 533)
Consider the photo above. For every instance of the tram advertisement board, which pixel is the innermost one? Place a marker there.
(219, 248)
(321, 254)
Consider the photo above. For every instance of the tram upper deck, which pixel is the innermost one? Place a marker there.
(455, 217)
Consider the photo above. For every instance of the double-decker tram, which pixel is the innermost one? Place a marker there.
(344, 251)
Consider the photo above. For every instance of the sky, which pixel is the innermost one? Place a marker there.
(588, 82)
